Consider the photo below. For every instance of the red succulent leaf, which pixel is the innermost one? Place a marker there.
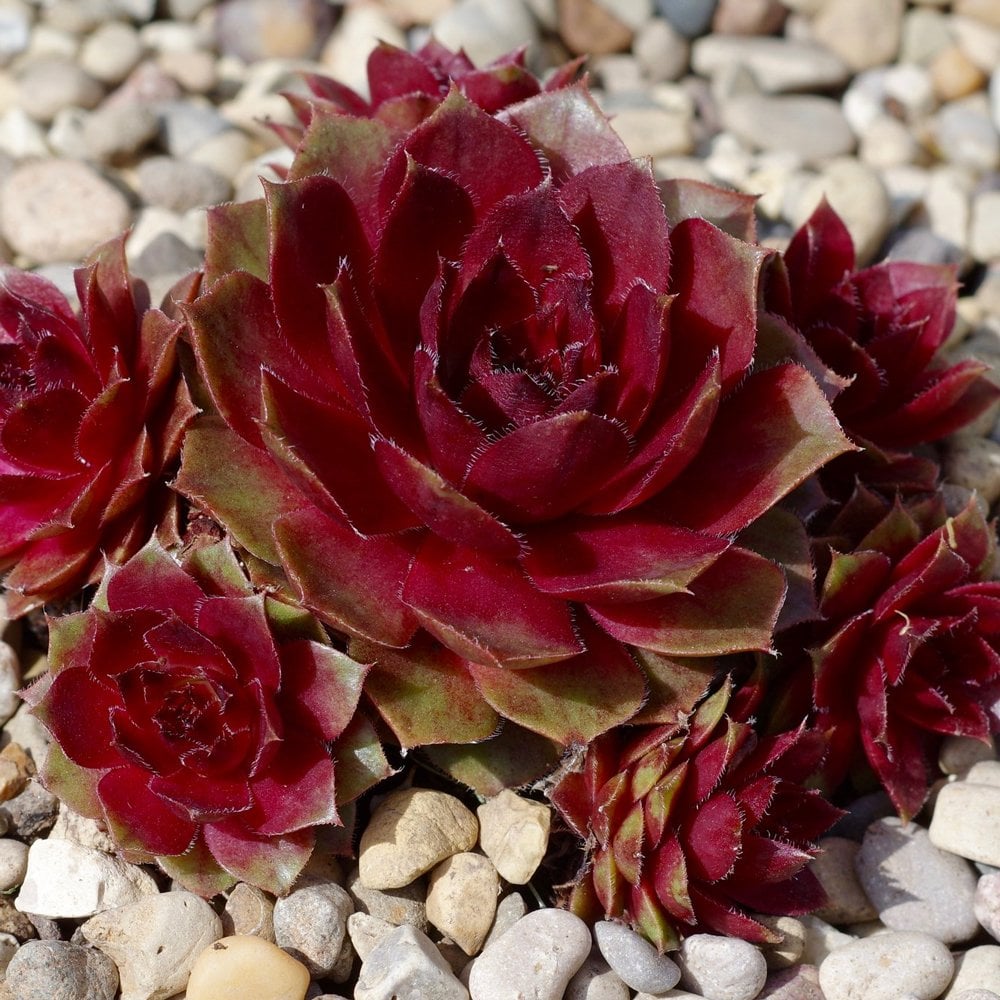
(711, 617)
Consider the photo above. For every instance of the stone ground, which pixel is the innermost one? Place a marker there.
(138, 113)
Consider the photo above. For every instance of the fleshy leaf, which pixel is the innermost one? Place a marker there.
(425, 693)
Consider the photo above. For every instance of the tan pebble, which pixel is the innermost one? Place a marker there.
(409, 833)
(462, 899)
(245, 967)
(514, 834)
(955, 75)
(249, 910)
(587, 27)
(960, 753)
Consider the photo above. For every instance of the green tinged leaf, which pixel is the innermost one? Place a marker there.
(237, 240)
(198, 871)
(359, 761)
(239, 485)
(513, 758)
(425, 693)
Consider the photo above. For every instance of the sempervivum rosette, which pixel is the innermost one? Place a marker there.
(694, 827)
(910, 643)
(405, 87)
(482, 390)
(91, 415)
(195, 720)
(881, 330)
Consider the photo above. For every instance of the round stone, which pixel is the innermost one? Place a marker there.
(536, 958)
(637, 963)
(722, 968)
(246, 968)
(44, 970)
(914, 885)
(885, 966)
(60, 210)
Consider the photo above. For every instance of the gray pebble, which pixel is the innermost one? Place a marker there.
(32, 813)
(966, 136)
(914, 885)
(184, 125)
(536, 958)
(834, 867)
(813, 127)
(58, 970)
(179, 185)
(636, 961)
(974, 462)
(15, 28)
(661, 50)
(114, 133)
(690, 17)
(798, 983)
(365, 932)
(310, 924)
(486, 29)
(49, 83)
(777, 64)
(395, 906)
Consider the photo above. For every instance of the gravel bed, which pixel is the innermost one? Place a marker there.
(136, 114)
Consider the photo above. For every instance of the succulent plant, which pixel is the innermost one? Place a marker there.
(195, 719)
(489, 411)
(880, 330)
(92, 411)
(694, 827)
(909, 645)
(405, 87)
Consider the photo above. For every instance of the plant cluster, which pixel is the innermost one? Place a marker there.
(474, 440)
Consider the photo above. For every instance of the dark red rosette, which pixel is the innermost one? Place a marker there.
(880, 331)
(909, 647)
(206, 726)
(495, 418)
(693, 827)
(92, 410)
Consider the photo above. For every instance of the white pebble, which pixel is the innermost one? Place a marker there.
(846, 902)
(405, 965)
(155, 941)
(59, 210)
(536, 958)
(886, 965)
(596, 980)
(986, 904)
(64, 879)
(976, 968)
(366, 931)
(721, 968)
(966, 818)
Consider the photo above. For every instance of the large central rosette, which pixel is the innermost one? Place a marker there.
(469, 381)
